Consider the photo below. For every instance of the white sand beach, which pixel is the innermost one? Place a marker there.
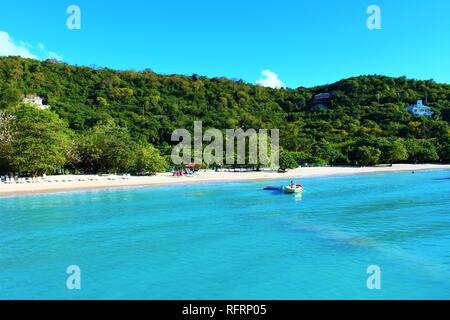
(68, 183)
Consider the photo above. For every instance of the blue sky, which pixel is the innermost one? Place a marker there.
(305, 43)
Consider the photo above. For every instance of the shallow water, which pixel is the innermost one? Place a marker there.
(233, 241)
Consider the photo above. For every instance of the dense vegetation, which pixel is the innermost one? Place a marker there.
(103, 120)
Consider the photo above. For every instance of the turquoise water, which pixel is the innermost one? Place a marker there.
(233, 241)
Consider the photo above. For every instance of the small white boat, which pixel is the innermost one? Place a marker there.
(293, 189)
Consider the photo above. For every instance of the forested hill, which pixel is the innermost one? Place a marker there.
(365, 121)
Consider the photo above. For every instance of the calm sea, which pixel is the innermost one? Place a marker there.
(233, 241)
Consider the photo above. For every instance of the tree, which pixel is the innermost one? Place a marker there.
(287, 160)
(148, 159)
(446, 115)
(86, 153)
(40, 141)
(421, 150)
(9, 97)
(367, 155)
(6, 134)
(105, 148)
(394, 151)
(444, 152)
(149, 107)
(331, 155)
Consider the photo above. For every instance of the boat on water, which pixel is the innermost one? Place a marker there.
(293, 189)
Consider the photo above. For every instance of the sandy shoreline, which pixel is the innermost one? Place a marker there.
(202, 177)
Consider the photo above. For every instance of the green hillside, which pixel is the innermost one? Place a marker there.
(365, 122)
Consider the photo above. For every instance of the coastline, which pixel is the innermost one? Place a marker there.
(204, 177)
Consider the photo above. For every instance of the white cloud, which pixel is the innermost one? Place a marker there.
(271, 80)
(54, 55)
(10, 47)
(41, 46)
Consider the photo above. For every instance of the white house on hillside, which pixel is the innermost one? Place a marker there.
(420, 109)
(36, 101)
